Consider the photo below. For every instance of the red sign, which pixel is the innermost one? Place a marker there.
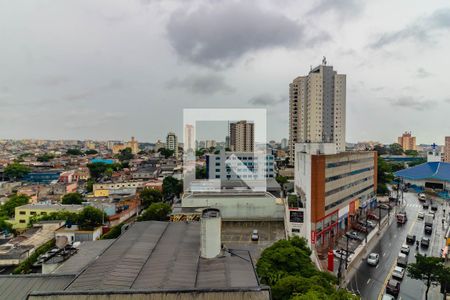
(330, 261)
(313, 237)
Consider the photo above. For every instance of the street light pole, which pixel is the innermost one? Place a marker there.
(346, 254)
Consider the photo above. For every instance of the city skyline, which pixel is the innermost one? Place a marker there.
(67, 84)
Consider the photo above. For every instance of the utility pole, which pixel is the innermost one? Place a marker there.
(339, 270)
(379, 217)
(367, 228)
(346, 254)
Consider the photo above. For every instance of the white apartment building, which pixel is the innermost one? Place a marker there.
(172, 143)
(317, 104)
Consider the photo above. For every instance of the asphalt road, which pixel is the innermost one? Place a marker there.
(370, 281)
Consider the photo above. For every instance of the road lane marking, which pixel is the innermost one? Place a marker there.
(368, 281)
(384, 254)
(377, 266)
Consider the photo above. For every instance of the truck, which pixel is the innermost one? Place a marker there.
(401, 217)
(428, 228)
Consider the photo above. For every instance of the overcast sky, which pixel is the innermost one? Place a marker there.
(109, 69)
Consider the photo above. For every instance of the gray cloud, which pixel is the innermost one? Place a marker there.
(266, 100)
(201, 84)
(342, 8)
(216, 36)
(52, 80)
(413, 103)
(447, 100)
(420, 30)
(422, 73)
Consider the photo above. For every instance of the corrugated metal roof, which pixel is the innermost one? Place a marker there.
(430, 170)
(14, 287)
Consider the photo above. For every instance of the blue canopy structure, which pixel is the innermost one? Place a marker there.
(430, 170)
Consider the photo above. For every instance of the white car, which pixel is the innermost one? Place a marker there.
(388, 297)
(420, 215)
(373, 259)
(405, 249)
(255, 235)
(398, 272)
(342, 254)
(422, 197)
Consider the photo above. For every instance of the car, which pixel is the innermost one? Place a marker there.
(384, 206)
(428, 229)
(425, 242)
(434, 207)
(367, 223)
(388, 297)
(373, 216)
(353, 235)
(398, 273)
(425, 206)
(360, 228)
(371, 224)
(255, 235)
(373, 259)
(341, 253)
(422, 197)
(420, 215)
(393, 287)
(410, 239)
(402, 260)
(405, 249)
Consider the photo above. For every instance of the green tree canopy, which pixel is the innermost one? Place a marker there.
(281, 180)
(381, 150)
(4, 225)
(90, 218)
(9, 207)
(166, 152)
(100, 169)
(156, 211)
(172, 187)
(16, 171)
(125, 154)
(426, 268)
(149, 196)
(74, 152)
(384, 174)
(72, 198)
(67, 216)
(46, 157)
(91, 152)
(395, 149)
(200, 173)
(411, 152)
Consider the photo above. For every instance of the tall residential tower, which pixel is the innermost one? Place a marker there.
(172, 143)
(317, 108)
(242, 136)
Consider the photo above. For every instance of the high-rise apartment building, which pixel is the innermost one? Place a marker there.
(242, 136)
(172, 143)
(407, 141)
(317, 104)
(447, 149)
(189, 140)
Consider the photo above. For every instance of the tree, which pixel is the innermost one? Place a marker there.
(444, 278)
(90, 218)
(156, 211)
(149, 196)
(172, 187)
(381, 150)
(90, 185)
(412, 152)
(16, 171)
(281, 180)
(100, 169)
(91, 152)
(395, 149)
(384, 176)
(76, 152)
(125, 154)
(9, 207)
(67, 216)
(166, 152)
(418, 161)
(426, 268)
(46, 157)
(72, 198)
(4, 225)
(200, 173)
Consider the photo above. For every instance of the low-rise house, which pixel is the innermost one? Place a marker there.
(75, 234)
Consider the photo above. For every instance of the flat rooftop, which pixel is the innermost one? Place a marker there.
(71, 207)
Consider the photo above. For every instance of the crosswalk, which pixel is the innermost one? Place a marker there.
(416, 205)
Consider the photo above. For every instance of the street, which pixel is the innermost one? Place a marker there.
(370, 281)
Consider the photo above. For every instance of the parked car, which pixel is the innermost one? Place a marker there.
(341, 253)
(360, 228)
(373, 259)
(402, 260)
(353, 235)
(422, 197)
(384, 206)
(410, 239)
(373, 216)
(255, 235)
(393, 287)
(368, 223)
(425, 242)
(434, 207)
(425, 206)
(398, 273)
(420, 215)
(405, 249)
(388, 297)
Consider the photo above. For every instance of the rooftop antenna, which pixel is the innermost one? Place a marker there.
(324, 61)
